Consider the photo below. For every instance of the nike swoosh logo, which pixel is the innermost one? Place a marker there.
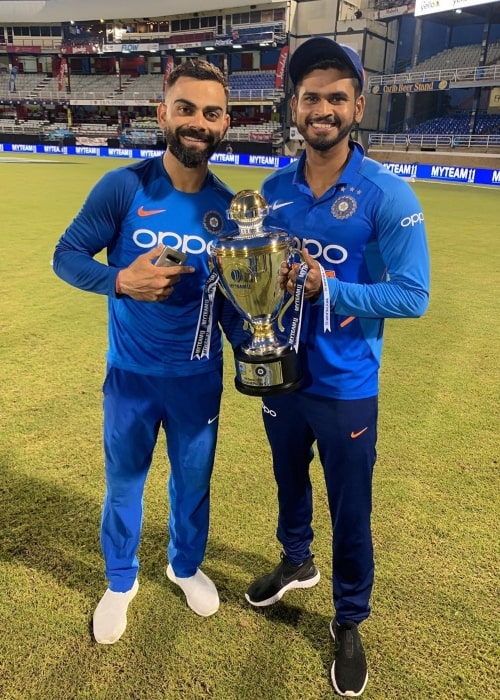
(211, 420)
(149, 212)
(278, 205)
(360, 432)
(287, 579)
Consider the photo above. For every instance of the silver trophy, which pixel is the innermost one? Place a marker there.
(248, 265)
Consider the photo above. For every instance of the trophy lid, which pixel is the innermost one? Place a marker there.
(248, 208)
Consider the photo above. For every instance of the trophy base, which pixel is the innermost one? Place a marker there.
(267, 374)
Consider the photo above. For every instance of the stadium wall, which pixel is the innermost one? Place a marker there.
(411, 171)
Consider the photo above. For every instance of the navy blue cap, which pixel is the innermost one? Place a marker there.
(321, 48)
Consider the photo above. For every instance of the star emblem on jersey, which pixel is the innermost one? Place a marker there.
(344, 207)
(213, 222)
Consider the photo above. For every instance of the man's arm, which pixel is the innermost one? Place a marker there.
(401, 241)
(95, 227)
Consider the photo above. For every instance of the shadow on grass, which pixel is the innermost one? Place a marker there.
(311, 625)
(48, 527)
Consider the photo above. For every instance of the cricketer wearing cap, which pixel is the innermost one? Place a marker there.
(362, 233)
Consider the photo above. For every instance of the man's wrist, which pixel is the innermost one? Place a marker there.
(118, 288)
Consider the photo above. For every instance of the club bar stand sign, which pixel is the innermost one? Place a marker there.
(248, 265)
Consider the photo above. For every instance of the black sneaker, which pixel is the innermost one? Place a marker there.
(270, 588)
(349, 672)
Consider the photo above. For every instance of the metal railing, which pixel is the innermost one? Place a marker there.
(19, 128)
(117, 97)
(454, 75)
(44, 129)
(449, 141)
(252, 94)
(252, 132)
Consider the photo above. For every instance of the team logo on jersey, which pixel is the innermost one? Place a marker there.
(213, 222)
(344, 207)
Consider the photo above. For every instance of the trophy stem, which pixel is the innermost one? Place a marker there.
(263, 339)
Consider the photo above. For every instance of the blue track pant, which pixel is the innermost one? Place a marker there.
(346, 434)
(135, 406)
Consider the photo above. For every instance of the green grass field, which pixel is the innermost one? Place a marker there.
(434, 629)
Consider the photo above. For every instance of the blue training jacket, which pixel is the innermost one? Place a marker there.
(128, 212)
(368, 233)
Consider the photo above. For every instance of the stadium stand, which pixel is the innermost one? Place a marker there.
(460, 57)
(105, 90)
(458, 125)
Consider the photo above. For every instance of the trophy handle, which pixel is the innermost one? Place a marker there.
(293, 251)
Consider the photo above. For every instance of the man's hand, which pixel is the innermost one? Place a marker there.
(313, 285)
(143, 281)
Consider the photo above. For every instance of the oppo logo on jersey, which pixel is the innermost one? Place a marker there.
(188, 243)
(412, 220)
(331, 253)
(145, 238)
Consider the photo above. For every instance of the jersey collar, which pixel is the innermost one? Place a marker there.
(347, 174)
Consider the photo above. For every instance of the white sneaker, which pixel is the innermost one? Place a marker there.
(201, 593)
(110, 616)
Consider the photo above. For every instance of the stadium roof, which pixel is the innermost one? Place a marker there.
(45, 11)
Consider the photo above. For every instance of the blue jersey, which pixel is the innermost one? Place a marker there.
(368, 233)
(130, 211)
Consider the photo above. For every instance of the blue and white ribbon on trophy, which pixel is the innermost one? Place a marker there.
(201, 347)
(326, 300)
(298, 301)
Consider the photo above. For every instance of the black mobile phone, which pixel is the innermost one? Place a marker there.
(171, 256)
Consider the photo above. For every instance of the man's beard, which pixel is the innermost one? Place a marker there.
(323, 142)
(191, 157)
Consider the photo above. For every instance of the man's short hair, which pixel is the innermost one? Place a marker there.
(199, 70)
